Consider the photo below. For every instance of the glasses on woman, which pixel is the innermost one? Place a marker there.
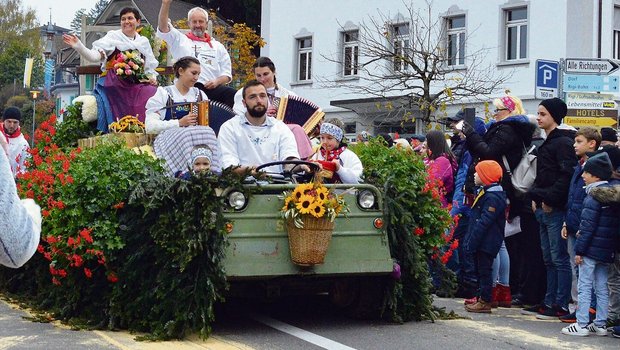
(497, 110)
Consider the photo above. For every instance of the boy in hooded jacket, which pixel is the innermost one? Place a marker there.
(486, 228)
(595, 249)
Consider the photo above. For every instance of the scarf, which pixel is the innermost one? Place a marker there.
(206, 38)
(333, 154)
(16, 134)
(594, 184)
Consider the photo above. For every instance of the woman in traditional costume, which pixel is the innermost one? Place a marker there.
(170, 106)
(119, 93)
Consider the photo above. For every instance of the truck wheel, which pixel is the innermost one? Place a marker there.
(360, 297)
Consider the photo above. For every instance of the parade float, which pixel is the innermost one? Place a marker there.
(126, 246)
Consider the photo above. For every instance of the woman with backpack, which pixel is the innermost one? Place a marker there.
(507, 137)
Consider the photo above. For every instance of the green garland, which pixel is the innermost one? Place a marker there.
(409, 207)
(172, 271)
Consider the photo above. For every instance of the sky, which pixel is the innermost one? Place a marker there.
(63, 11)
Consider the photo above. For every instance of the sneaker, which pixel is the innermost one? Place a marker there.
(480, 306)
(532, 310)
(575, 329)
(516, 301)
(616, 332)
(602, 331)
(612, 323)
(552, 313)
(570, 318)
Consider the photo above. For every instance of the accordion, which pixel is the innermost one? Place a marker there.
(297, 110)
(212, 113)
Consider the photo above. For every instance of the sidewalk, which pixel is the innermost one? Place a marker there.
(19, 333)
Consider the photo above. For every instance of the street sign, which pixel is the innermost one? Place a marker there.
(547, 79)
(592, 121)
(596, 66)
(585, 100)
(609, 113)
(590, 83)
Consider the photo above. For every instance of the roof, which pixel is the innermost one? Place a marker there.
(58, 30)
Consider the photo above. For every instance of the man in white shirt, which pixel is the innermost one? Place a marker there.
(253, 139)
(216, 68)
(17, 145)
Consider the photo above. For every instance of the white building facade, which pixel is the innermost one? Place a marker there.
(315, 45)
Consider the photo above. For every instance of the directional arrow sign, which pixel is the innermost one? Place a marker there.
(593, 121)
(590, 83)
(596, 66)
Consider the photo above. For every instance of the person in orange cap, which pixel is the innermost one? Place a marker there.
(486, 229)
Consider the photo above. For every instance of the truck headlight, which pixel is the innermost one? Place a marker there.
(366, 199)
(237, 200)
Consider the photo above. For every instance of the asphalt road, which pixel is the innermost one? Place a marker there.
(312, 323)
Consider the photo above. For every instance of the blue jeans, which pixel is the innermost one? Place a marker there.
(555, 256)
(592, 273)
(501, 267)
(467, 260)
(485, 281)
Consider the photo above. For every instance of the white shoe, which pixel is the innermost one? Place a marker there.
(602, 331)
(576, 329)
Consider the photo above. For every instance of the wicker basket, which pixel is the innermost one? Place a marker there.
(131, 139)
(308, 245)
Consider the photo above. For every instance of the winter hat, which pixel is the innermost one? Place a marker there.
(333, 130)
(200, 152)
(489, 171)
(12, 113)
(609, 134)
(556, 107)
(599, 165)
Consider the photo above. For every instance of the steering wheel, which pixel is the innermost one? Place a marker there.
(314, 167)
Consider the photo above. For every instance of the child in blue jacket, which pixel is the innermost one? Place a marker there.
(595, 249)
(486, 228)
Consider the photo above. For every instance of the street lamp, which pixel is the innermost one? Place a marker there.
(34, 94)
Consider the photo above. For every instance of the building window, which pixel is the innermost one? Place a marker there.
(350, 53)
(456, 40)
(304, 59)
(516, 33)
(616, 33)
(401, 45)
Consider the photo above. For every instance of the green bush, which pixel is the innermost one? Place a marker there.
(415, 224)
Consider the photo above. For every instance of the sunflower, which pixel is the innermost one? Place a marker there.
(304, 204)
(321, 194)
(317, 209)
(286, 203)
(297, 193)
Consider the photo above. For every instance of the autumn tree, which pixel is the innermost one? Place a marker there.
(410, 65)
(240, 40)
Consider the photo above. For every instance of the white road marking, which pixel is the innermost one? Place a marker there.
(301, 334)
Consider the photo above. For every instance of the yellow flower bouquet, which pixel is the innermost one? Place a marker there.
(312, 199)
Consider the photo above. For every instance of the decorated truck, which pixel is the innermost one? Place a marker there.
(125, 245)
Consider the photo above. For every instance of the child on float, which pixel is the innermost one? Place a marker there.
(486, 229)
(200, 160)
(594, 250)
(335, 156)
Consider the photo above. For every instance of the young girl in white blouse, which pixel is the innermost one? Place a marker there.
(335, 156)
(170, 106)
